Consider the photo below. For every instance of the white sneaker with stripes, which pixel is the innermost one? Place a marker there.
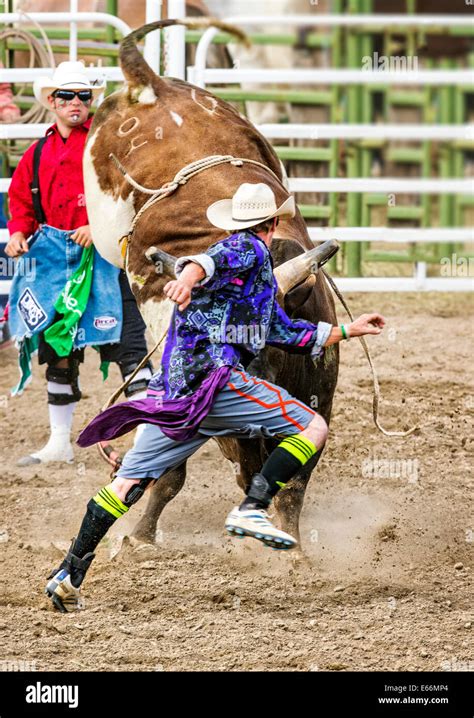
(63, 594)
(256, 524)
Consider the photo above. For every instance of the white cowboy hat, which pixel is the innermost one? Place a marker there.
(250, 205)
(67, 76)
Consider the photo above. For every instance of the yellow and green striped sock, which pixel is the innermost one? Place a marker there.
(286, 460)
(110, 502)
(282, 464)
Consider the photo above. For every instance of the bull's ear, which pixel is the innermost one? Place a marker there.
(299, 295)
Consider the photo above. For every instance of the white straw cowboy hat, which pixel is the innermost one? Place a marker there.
(68, 75)
(250, 205)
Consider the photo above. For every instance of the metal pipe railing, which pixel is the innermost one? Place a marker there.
(343, 76)
(309, 131)
(152, 53)
(367, 131)
(66, 17)
(175, 42)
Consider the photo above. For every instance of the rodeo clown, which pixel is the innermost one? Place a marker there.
(202, 389)
(64, 296)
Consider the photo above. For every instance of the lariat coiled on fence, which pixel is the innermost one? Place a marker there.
(41, 55)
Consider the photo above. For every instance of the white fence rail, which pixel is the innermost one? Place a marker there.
(381, 186)
(343, 76)
(23, 132)
(418, 283)
(19, 74)
(393, 235)
(404, 284)
(308, 132)
(63, 18)
(389, 185)
(328, 20)
(362, 132)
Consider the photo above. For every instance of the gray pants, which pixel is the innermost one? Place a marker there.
(246, 407)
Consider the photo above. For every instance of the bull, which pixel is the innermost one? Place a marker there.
(142, 137)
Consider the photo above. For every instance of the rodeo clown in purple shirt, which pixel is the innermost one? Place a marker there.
(202, 389)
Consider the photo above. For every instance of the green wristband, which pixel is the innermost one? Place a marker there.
(343, 330)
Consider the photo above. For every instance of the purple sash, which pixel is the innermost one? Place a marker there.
(178, 419)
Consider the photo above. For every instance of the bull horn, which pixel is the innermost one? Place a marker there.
(288, 275)
(296, 270)
(162, 260)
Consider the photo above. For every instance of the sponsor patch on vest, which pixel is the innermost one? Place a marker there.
(31, 310)
(104, 323)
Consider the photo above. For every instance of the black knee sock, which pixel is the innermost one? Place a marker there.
(282, 464)
(95, 525)
(102, 512)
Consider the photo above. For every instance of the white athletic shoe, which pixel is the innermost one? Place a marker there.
(256, 523)
(63, 594)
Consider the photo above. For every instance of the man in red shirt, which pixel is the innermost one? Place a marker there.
(61, 215)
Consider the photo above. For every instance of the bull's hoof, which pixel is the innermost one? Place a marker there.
(135, 551)
(120, 549)
(143, 551)
(140, 537)
(144, 532)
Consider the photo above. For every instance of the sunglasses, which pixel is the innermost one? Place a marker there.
(68, 95)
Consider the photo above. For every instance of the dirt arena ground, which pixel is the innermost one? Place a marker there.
(387, 527)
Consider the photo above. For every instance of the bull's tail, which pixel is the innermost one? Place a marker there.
(135, 68)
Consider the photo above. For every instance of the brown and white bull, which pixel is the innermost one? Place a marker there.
(154, 127)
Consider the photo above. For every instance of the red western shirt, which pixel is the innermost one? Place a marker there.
(61, 183)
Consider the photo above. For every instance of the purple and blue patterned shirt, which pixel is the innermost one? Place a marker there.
(233, 308)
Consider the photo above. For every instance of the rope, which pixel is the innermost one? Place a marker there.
(376, 400)
(181, 178)
(40, 56)
(113, 398)
(49, 49)
(106, 450)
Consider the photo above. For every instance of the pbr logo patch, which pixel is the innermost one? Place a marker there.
(31, 310)
(104, 323)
